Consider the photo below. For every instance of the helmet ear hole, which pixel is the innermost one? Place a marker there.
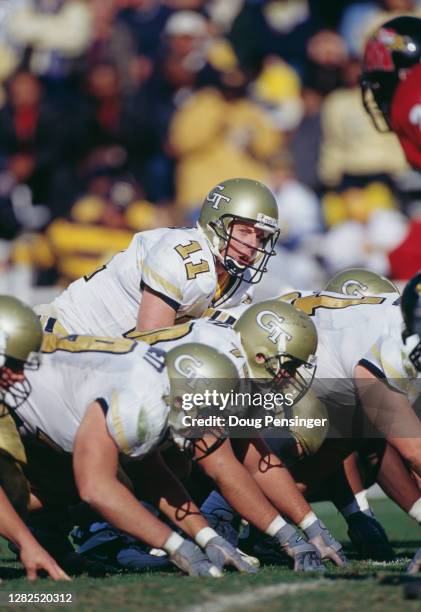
(260, 358)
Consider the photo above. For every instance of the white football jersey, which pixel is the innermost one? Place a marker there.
(351, 330)
(177, 263)
(218, 335)
(127, 378)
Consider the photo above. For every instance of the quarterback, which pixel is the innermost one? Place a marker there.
(169, 275)
(391, 82)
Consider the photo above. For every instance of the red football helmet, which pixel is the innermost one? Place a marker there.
(393, 47)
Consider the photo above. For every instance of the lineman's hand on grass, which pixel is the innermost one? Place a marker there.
(222, 554)
(190, 559)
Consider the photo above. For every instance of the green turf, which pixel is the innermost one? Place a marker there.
(361, 586)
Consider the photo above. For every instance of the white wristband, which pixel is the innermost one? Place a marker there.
(204, 536)
(172, 543)
(415, 511)
(277, 524)
(308, 520)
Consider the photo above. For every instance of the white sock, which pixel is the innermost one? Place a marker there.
(415, 511)
(358, 504)
(308, 520)
(277, 524)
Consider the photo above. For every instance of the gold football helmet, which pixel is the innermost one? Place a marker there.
(198, 375)
(240, 200)
(20, 343)
(359, 282)
(280, 343)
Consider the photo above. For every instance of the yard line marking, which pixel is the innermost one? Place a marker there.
(249, 598)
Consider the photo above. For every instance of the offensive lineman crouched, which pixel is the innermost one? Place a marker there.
(99, 398)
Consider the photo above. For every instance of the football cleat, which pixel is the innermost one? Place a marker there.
(114, 550)
(369, 538)
(226, 523)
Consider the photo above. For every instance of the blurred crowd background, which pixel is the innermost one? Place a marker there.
(117, 116)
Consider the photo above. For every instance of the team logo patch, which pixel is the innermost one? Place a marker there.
(272, 323)
(216, 198)
(353, 287)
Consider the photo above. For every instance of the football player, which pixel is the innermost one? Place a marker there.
(293, 367)
(345, 334)
(100, 399)
(20, 341)
(169, 275)
(391, 82)
(367, 535)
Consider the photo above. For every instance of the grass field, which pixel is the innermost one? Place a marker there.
(361, 586)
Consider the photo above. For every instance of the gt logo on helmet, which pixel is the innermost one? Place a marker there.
(188, 366)
(216, 197)
(351, 287)
(271, 322)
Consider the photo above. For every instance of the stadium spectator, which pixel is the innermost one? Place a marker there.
(326, 58)
(298, 207)
(181, 68)
(273, 28)
(352, 151)
(53, 34)
(305, 139)
(30, 137)
(220, 133)
(101, 223)
(98, 126)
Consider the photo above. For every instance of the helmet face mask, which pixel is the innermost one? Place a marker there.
(413, 350)
(376, 95)
(234, 202)
(20, 343)
(290, 374)
(392, 49)
(197, 370)
(224, 228)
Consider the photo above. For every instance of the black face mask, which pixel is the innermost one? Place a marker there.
(233, 267)
(16, 394)
(285, 370)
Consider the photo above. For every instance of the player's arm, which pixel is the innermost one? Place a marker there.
(235, 483)
(95, 462)
(154, 311)
(32, 555)
(167, 493)
(275, 486)
(392, 414)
